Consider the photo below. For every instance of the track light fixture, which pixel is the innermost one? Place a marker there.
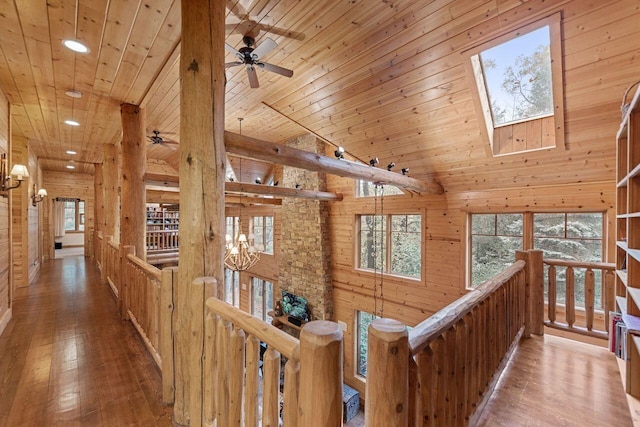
(405, 171)
(258, 180)
(374, 161)
(339, 153)
(298, 186)
(390, 166)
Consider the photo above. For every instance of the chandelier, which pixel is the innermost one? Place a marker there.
(241, 253)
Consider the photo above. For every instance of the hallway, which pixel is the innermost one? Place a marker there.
(67, 359)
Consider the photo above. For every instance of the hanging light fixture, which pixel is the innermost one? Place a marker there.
(240, 252)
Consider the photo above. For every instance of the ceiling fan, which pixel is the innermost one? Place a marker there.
(157, 139)
(250, 58)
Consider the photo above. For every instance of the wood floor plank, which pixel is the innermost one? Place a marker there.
(67, 359)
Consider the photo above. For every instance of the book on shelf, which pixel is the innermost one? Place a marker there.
(614, 319)
(618, 335)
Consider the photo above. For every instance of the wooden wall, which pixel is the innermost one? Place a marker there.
(66, 184)
(34, 219)
(20, 215)
(5, 270)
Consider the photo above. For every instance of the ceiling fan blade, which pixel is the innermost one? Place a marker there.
(265, 47)
(232, 64)
(253, 77)
(236, 8)
(232, 50)
(275, 69)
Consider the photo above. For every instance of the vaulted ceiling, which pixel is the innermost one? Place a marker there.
(382, 78)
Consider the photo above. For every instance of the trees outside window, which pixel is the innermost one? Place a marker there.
(261, 298)
(232, 287)
(74, 215)
(263, 232)
(363, 320)
(391, 244)
(368, 189)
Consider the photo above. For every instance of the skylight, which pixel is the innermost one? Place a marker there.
(517, 75)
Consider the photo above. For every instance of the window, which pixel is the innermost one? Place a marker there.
(74, 215)
(402, 234)
(368, 189)
(571, 236)
(233, 226)
(263, 232)
(232, 287)
(518, 91)
(363, 320)
(494, 240)
(261, 298)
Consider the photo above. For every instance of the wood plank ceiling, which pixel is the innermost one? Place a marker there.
(381, 78)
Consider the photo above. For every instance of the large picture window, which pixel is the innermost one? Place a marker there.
(391, 244)
(232, 287)
(263, 232)
(261, 298)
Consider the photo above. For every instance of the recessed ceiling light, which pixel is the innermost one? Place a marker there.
(70, 167)
(71, 123)
(75, 46)
(71, 152)
(74, 93)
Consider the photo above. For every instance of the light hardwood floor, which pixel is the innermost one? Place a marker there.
(553, 381)
(67, 359)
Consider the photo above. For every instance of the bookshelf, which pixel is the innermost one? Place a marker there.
(162, 227)
(628, 238)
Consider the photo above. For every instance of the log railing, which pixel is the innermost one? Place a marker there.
(144, 289)
(440, 373)
(161, 240)
(111, 265)
(97, 249)
(581, 314)
(311, 392)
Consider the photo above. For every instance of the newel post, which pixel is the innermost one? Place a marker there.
(536, 278)
(168, 280)
(320, 401)
(387, 391)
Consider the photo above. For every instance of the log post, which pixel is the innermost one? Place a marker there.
(320, 400)
(169, 279)
(570, 298)
(524, 256)
(387, 391)
(124, 291)
(133, 221)
(589, 297)
(609, 294)
(98, 206)
(536, 280)
(202, 174)
(111, 191)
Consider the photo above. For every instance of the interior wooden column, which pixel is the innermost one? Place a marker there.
(202, 171)
(111, 189)
(98, 187)
(134, 164)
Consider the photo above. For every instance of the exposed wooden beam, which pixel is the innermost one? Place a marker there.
(234, 199)
(241, 187)
(276, 153)
(159, 196)
(160, 177)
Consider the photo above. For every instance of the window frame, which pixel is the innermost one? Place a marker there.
(79, 217)
(265, 308)
(358, 185)
(264, 232)
(388, 221)
(235, 287)
(356, 365)
(484, 115)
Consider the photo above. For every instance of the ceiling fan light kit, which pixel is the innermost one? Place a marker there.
(250, 58)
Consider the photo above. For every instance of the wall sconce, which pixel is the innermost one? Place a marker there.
(19, 171)
(39, 196)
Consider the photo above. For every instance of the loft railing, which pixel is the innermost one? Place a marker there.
(311, 389)
(112, 265)
(585, 303)
(162, 240)
(97, 249)
(440, 373)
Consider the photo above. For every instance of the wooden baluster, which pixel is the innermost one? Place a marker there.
(321, 350)
(483, 337)
(236, 376)
(387, 388)
(271, 389)
(440, 382)
(473, 356)
(223, 329)
(291, 382)
(123, 281)
(209, 368)
(552, 293)
(536, 295)
(251, 382)
(570, 298)
(461, 354)
(450, 379)
(425, 369)
(492, 314)
(589, 297)
(608, 293)
(414, 394)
